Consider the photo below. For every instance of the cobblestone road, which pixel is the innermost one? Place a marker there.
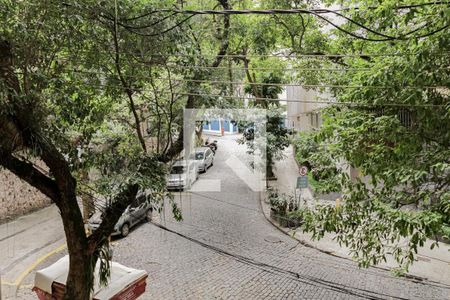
(225, 249)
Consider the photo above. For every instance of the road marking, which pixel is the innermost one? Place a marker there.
(35, 264)
(23, 230)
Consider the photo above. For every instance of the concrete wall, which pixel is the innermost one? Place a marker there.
(302, 116)
(18, 197)
(305, 116)
(214, 127)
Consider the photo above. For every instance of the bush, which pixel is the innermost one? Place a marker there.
(305, 146)
(285, 210)
(281, 204)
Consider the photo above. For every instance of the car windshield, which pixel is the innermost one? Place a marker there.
(199, 155)
(177, 170)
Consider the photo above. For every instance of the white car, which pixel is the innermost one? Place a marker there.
(204, 158)
(182, 175)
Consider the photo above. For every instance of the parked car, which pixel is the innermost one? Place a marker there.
(140, 209)
(182, 175)
(212, 145)
(204, 158)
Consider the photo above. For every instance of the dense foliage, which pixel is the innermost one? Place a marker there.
(323, 168)
(95, 94)
(96, 90)
(395, 133)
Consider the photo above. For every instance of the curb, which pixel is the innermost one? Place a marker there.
(285, 231)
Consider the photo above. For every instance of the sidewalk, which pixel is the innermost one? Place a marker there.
(433, 264)
(24, 243)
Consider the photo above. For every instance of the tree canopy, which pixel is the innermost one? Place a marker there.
(96, 90)
(393, 126)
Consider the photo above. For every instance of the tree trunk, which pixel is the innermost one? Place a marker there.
(199, 135)
(80, 278)
(269, 172)
(177, 146)
(61, 189)
(86, 199)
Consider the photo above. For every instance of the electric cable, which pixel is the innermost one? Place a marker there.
(291, 275)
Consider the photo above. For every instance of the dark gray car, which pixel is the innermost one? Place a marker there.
(140, 209)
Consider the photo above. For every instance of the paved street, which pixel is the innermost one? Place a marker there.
(432, 264)
(25, 242)
(225, 249)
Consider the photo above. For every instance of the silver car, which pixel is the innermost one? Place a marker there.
(140, 209)
(204, 158)
(182, 175)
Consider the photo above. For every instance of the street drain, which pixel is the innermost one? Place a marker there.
(272, 239)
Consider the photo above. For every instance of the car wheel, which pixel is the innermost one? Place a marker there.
(149, 215)
(212, 162)
(125, 230)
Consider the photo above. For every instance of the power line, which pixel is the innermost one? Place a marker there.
(292, 69)
(299, 55)
(323, 262)
(253, 84)
(226, 202)
(306, 279)
(350, 104)
(274, 55)
(316, 102)
(302, 85)
(398, 7)
(173, 66)
(315, 12)
(280, 11)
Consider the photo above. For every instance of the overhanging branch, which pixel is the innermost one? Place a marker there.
(111, 216)
(26, 171)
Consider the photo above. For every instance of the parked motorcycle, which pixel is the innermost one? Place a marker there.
(212, 145)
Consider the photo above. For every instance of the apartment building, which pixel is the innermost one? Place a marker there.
(303, 113)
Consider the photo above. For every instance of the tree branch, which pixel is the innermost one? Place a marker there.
(225, 37)
(126, 86)
(111, 216)
(27, 172)
(177, 146)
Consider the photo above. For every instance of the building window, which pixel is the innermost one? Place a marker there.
(314, 119)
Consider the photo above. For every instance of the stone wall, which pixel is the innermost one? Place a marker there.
(18, 197)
